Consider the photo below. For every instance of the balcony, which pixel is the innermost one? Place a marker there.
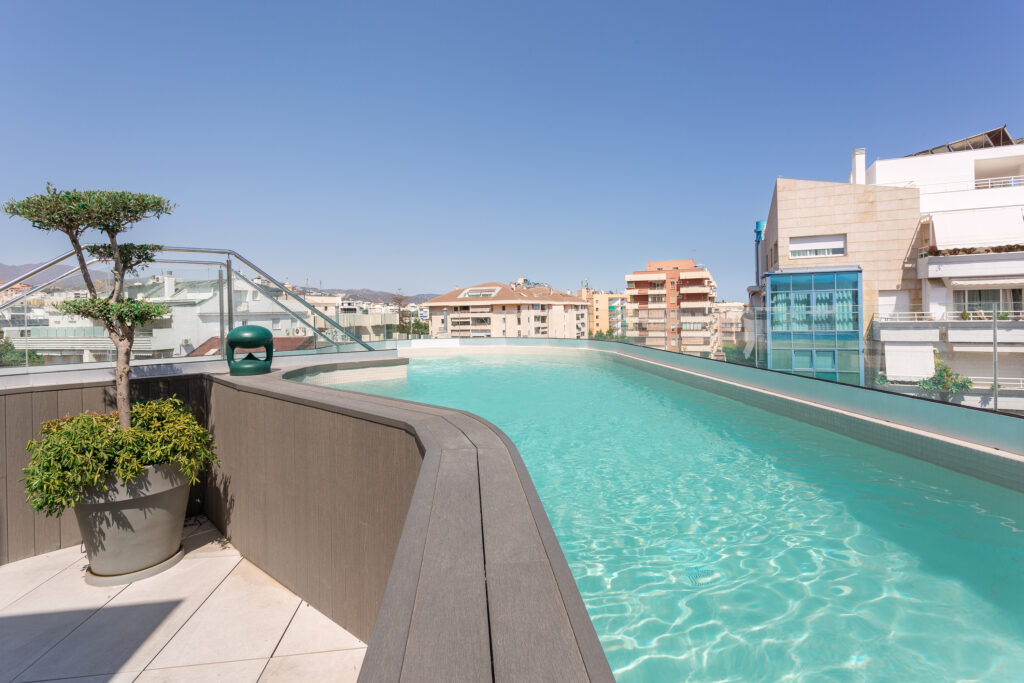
(991, 265)
(645, 277)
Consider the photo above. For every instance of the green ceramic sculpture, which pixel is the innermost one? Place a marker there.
(249, 337)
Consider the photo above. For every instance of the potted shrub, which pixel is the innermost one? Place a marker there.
(125, 473)
(128, 487)
(945, 384)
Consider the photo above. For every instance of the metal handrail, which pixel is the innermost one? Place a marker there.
(37, 270)
(11, 302)
(193, 250)
(289, 311)
(264, 274)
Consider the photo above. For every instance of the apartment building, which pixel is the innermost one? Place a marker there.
(729, 319)
(519, 309)
(671, 306)
(606, 312)
(903, 257)
(970, 262)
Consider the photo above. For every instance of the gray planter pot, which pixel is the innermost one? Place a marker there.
(133, 530)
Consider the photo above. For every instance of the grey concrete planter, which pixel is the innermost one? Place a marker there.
(133, 530)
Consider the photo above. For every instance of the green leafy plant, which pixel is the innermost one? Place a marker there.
(965, 315)
(607, 335)
(945, 383)
(10, 356)
(881, 379)
(111, 213)
(1003, 316)
(75, 453)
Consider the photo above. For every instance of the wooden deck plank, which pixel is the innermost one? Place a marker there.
(451, 589)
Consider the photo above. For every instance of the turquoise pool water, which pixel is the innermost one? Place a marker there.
(714, 541)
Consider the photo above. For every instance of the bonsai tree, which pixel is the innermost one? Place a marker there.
(110, 213)
(945, 383)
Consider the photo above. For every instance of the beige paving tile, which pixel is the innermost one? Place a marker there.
(235, 672)
(39, 620)
(243, 619)
(206, 544)
(18, 578)
(136, 624)
(310, 631)
(196, 525)
(341, 666)
(115, 678)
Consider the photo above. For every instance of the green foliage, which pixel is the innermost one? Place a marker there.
(945, 382)
(734, 354)
(129, 312)
(74, 211)
(131, 255)
(601, 335)
(881, 379)
(74, 453)
(11, 357)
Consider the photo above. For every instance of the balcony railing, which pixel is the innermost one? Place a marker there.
(960, 313)
(964, 185)
(1004, 181)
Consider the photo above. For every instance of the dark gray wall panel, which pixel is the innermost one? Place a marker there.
(20, 429)
(47, 529)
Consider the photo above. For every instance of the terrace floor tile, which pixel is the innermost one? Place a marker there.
(213, 616)
(340, 666)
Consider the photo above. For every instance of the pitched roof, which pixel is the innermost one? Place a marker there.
(211, 347)
(504, 294)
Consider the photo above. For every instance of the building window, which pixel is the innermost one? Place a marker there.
(976, 299)
(816, 247)
(815, 325)
(479, 292)
(275, 323)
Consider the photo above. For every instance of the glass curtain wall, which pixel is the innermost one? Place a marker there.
(814, 325)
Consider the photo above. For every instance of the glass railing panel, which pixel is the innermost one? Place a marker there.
(192, 327)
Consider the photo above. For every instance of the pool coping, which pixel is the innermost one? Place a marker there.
(531, 634)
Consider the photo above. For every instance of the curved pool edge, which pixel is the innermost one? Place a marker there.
(479, 587)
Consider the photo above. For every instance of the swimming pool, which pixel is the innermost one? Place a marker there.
(711, 540)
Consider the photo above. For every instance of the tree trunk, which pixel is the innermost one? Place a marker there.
(124, 352)
(82, 265)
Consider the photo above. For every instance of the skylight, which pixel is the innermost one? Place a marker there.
(479, 292)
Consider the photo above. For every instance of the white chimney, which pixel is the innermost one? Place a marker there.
(168, 285)
(858, 174)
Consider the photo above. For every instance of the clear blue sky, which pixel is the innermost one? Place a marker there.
(425, 145)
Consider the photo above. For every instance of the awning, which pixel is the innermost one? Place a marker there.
(987, 283)
(981, 227)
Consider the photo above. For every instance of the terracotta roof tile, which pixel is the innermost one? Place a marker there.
(506, 294)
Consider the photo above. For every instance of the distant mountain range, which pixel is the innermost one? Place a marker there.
(375, 296)
(9, 272)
